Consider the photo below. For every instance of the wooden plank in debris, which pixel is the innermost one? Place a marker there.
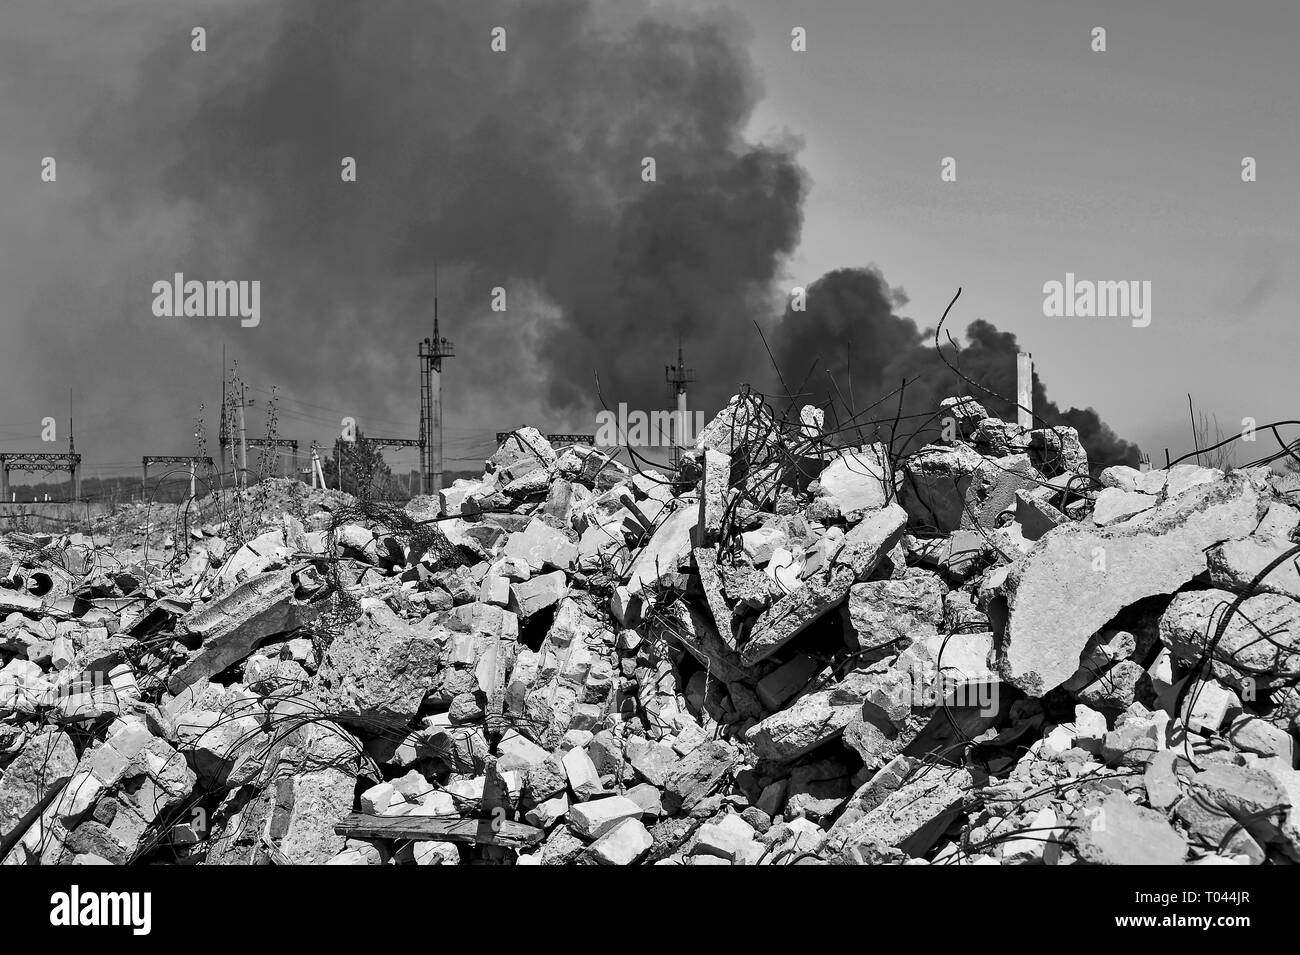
(706, 561)
(505, 832)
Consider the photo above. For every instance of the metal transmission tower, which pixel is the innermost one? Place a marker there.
(678, 377)
(43, 462)
(231, 434)
(190, 459)
(432, 352)
(277, 444)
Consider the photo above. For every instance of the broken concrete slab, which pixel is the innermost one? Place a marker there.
(1163, 779)
(729, 837)
(862, 549)
(624, 844)
(1191, 621)
(1181, 478)
(809, 722)
(787, 680)
(44, 764)
(666, 549)
(1236, 565)
(935, 484)
(856, 482)
(911, 818)
(542, 547)
(378, 670)
(1253, 734)
(654, 761)
(1114, 831)
(760, 544)
(1256, 800)
(714, 480)
(697, 775)
(950, 487)
(1077, 578)
(596, 817)
(1036, 516)
(584, 779)
(1121, 476)
(233, 626)
(1114, 505)
(1056, 450)
(537, 593)
(706, 563)
(885, 612)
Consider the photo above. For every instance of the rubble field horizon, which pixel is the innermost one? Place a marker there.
(785, 651)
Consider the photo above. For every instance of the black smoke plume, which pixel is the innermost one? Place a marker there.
(519, 169)
(851, 330)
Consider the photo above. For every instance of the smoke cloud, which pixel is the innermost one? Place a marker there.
(520, 170)
(852, 331)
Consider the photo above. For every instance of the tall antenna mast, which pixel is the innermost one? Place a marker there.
(678, 377)
(72, 454)
(432, 352)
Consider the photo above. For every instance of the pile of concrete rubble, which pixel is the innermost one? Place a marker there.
(785, 652)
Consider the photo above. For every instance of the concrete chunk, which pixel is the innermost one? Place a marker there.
(1116, 832)
(863, 547)
(811, 721)
(667, 548)
(598, 816)
(1077, 578)
(884, 612)
(378, 670)
(856, 482)
(1114, 505)
(584, 780)
(697, 775)
(730, 838)
(543, 547)
(46, 760)
(232, 626)
(716, 476)
(783, 683)
(623, 844)
(912, 817)
(537, 593)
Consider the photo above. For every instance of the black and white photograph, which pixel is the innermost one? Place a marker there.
(674, 433)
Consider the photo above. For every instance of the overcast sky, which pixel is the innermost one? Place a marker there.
(1116, 165)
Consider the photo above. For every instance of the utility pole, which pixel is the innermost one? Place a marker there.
(678, 377)
(243, 439)
(223, 427)
(432, 352)
(1025, 390)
